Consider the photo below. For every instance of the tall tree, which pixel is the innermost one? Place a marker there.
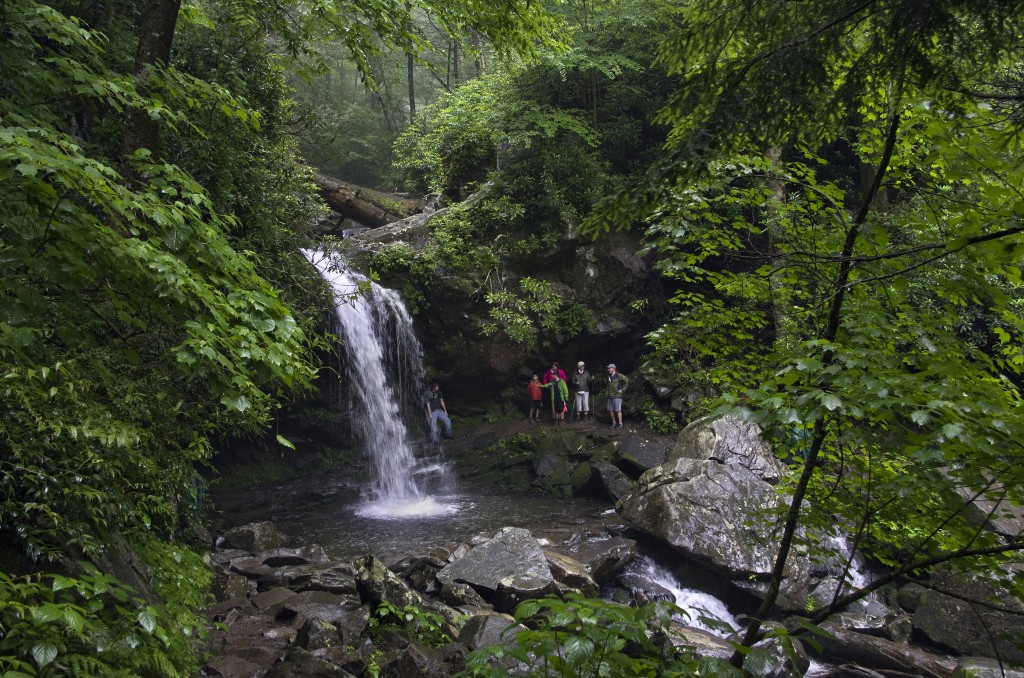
(156, 35)
(896, 378)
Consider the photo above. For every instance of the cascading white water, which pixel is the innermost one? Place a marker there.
(701, 607)
(384, 360)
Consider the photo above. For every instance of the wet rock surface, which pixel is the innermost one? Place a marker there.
(291, 609)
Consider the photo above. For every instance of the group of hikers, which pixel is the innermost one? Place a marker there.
(579, 385)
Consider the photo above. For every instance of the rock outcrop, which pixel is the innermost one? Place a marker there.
(714, 501)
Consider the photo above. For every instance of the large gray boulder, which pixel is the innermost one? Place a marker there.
(716, 503)
(960, 606)
(261, 536)
(608, 481)
(485, 630)
(884, 655)
(603, 557)
(639, 455)
(730, 442)
(571, 573)
(511, 562)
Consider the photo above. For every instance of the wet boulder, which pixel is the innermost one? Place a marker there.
(571, 573)
(301, 663)
(285, 557)
(603, 556)
(643, 589)
(769, 659)
(983, 667)
(246, 637)
(730, 442)
(417, 660)
(637, 455)
(339, 611)
(512, 561)
(376, 583)
(702, 643)
(958, 605)
(714, 502)
(881, 654)
(461, 594)
(317, 634)
(331, 576)
(228, 666)
(261, 536)
(608, 482)
(486, 630)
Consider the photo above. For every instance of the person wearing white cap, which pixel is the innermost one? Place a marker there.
(580, 382)
(617, 384)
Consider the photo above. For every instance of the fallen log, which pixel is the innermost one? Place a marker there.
(368, 207)
(885, 655)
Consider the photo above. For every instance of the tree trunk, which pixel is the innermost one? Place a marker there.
(156, 34)
(410, 63)
(455, 60)
(412, 90)
(366, 206)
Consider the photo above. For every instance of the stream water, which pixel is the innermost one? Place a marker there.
(411, 503)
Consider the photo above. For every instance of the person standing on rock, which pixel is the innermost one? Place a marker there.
(581, 381)
(436, 411)
(553, 371)
(559, 398)
(535, 395)
(617, 384)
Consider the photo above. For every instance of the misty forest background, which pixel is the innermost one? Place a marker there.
(832, 192)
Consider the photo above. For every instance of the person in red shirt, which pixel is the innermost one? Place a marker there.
(534, 392)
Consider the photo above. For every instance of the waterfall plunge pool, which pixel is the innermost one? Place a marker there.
(330, 510)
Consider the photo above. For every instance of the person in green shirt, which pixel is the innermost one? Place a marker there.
(617, 384)
(559, 397)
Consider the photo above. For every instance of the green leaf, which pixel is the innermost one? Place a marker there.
(920, 417)
(281, 440)
(236, 402)
(147, 620)
(44, 653)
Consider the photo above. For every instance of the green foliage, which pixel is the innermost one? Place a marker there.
(579, 637)
(397, 257)
(89, 625)
(182, 580)
(135, 324)
(460, 143)
(536, 310)
(757, 74)
(457, 249)
(417, 624)
(664, 423)
(866, 311)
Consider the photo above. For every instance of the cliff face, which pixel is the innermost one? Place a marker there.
(601, 282)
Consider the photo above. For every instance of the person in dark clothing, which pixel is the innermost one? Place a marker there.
(580, 382)
(437, 411)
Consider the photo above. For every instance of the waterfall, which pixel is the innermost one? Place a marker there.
(703, 610)
(385, 370)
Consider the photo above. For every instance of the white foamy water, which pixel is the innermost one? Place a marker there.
(696, 604)
(855, 576)
(384, 361)
(419, 508)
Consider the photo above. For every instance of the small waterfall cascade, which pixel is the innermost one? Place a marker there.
(384, 361)
(704, 610)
